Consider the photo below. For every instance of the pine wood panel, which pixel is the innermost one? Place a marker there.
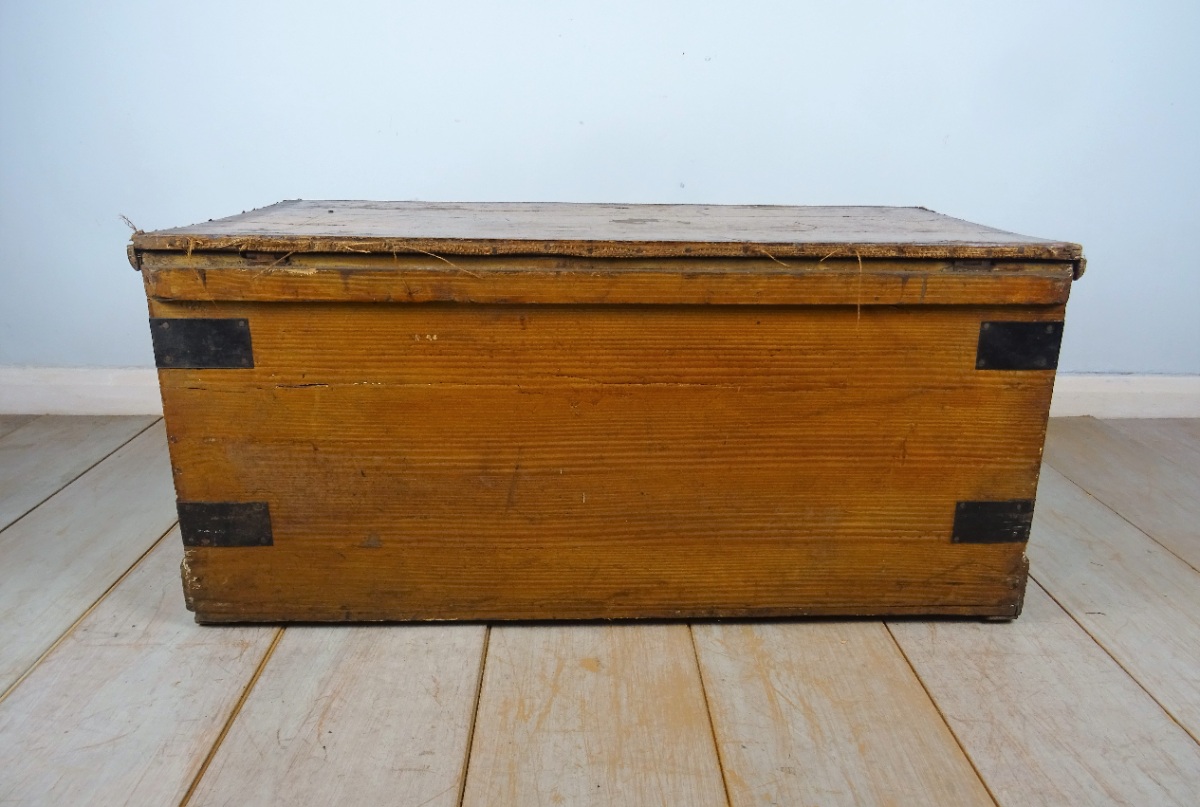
(572, 579)
(602, 230)
(42, 456)
(592, 715)
(1047, 717)
(780, 347)
(1147, 488)
(10, 423)
(1138, 600)
(63, 556)
(827, 713)
(622, 464)
(360, 716)
(210, 276)
(617, 461)
(125, 709)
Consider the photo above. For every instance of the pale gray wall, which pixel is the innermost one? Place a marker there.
(1075, 121)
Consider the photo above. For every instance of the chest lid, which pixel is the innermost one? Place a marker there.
(505, 250)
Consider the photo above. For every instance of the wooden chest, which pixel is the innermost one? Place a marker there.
(409, 411)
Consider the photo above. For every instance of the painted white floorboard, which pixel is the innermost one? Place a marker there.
(1046, 716)
(60, 558)
(40, 457)
(126, 708)
(370, 715)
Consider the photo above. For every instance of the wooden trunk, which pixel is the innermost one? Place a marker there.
(409, 411)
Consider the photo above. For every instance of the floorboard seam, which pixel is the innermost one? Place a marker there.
(86, 612)
(1120, 435)
(1120, 515)
(712, 726)
(466, 767)
(77, 476)
(1116, 660)
(938, 708)
(233, 715)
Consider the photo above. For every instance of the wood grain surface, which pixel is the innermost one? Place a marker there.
(64, 555)
(517, 461)
(125, 709)
(597, 230)
(827, 713)
(592, 715)
(1046, 716)
(356, 277)
(362, 716)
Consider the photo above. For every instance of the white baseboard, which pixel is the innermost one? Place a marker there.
(1126, 396)
(134, 391)
(79, 391)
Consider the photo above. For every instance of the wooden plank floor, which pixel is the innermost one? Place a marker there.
(110, 694)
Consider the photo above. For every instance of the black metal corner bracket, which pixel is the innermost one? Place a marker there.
(1018, 345)
(201, 344)
(992, 522)
(225, 523)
